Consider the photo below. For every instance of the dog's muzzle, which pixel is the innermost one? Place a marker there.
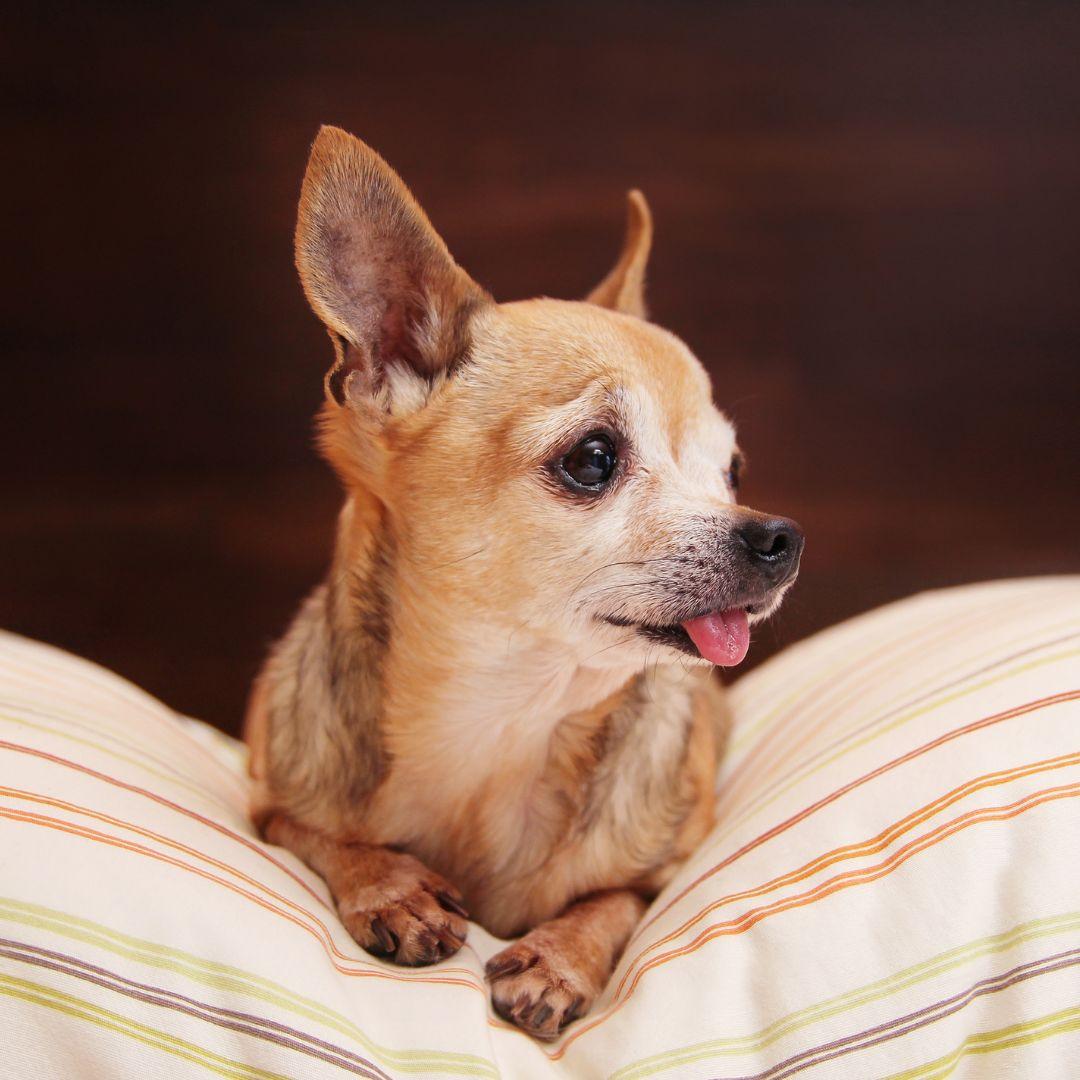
(739, 573)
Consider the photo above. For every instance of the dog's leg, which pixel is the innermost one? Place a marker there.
(391, 903)
(554, 973)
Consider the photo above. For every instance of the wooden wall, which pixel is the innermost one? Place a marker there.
(868, 227)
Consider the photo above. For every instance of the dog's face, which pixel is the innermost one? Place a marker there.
(551, 469)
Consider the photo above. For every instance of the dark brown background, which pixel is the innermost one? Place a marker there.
(868, 228)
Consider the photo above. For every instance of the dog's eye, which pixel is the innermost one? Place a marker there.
(734, 473)
(591, 463)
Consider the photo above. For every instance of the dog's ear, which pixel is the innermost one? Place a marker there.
(375, 271)
(624, 288)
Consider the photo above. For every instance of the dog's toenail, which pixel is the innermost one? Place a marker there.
(451, 904)
(449, 941)
(387, 942)
(507, 965)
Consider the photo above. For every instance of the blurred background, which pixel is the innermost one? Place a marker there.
(868, 228)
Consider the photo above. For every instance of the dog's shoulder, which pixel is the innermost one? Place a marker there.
(314, 727)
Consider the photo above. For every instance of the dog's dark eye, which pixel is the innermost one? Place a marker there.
(591, 462)
(734, 473)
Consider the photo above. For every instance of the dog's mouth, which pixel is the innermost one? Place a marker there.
(720, 637)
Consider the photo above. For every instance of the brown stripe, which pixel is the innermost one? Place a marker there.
(909, 704)
(246, 1023)
(248, 843)
(846, 789)
(904, 1025)
(851, 680)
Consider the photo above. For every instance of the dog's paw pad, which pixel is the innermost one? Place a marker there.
(538, 989)
(413, 919)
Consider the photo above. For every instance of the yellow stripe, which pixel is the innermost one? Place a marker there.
(39, 994)
(234, 809)
(988, 1042)
(234, 980)
(845, 661)
(757, 805)
(937, 965)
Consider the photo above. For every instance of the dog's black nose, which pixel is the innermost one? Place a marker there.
(773, 546)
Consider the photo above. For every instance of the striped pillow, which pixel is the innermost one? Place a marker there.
(893, 888)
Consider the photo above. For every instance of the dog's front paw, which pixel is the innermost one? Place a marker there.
(401, 910)
(540, 984)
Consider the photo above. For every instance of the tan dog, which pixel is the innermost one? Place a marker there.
(501, 698)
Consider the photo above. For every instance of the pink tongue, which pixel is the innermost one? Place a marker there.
(722, 637)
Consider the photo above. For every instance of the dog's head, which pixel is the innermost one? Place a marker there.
(545, 468)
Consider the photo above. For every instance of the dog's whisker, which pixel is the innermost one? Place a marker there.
(614, 645)
(584, 661)
(460, 559)
(510, 637)
(640, 582)
(572, 594)
(658, 584)
(615, 585)
(613, 566)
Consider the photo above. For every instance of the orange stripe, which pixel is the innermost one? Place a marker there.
(813, 808)
(776, 770)
(841, 881)
(856, 685)
(176, 845)
(866, 847)
(323, 938)
(224, 830)
(745, 922)
(749, 767)
(165, 717)
(841, 677)
(65, 726)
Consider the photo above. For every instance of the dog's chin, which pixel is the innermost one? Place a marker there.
(717, 636)
(758, 613)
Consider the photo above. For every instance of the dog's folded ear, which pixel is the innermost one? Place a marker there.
(624, 287)
(375, 271)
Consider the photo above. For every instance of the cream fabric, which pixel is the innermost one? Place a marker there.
(893, 887)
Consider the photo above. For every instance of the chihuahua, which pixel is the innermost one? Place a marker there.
(501, 699)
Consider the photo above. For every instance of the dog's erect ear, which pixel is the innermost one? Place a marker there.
(624, 288)
(375, 271)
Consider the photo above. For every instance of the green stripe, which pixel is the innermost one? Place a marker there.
(839, 660)
(180, 728)
(202, 792)
(864, 995)
(39, 994)
(988, 1042)
(233, 980)
(842, 660)
(796, 777)
(197, 731)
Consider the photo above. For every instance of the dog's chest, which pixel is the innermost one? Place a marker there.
(603, 806)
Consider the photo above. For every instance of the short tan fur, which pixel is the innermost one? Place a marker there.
(482, 707)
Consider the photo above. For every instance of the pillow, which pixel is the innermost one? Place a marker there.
(892, 888)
